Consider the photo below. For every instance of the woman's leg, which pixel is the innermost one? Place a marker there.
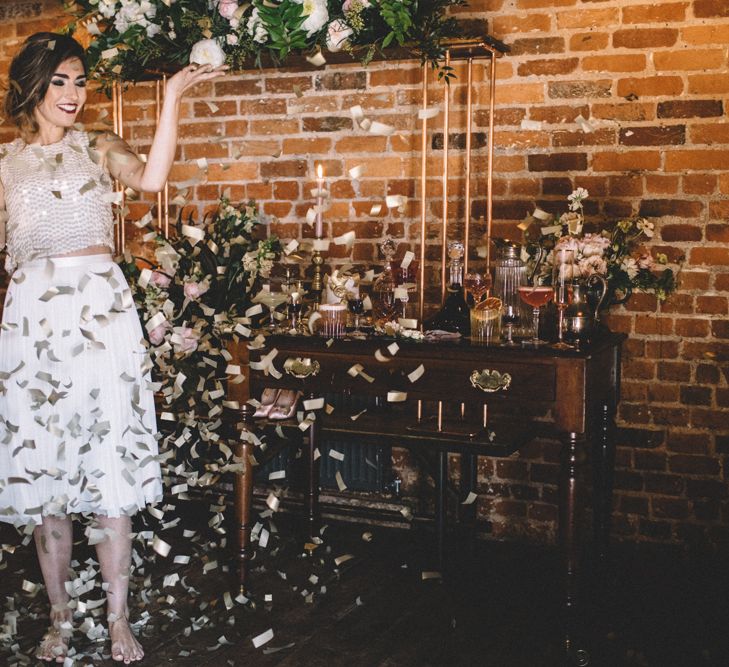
(53, 541)
(115, 559)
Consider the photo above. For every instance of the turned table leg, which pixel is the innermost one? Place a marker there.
(312, 492)
(603, 453)
(244, 495)
(572, 460)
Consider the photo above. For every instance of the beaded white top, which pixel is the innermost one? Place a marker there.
(58, 198)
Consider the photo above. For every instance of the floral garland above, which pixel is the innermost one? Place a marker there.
(195, 297)
(128, 37)
(617, 254)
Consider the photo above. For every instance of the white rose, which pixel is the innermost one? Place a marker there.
(153, 29)
(255, 27)
(338, 32)
(317, 15)
(231, 39)
(207, 52)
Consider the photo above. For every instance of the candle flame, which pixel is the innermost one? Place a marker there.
(319, 172)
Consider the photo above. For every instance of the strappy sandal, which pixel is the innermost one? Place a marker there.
(268, 400)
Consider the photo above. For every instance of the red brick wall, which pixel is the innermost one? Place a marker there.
(653, 80)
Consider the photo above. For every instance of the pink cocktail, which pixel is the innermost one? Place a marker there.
(536, 297)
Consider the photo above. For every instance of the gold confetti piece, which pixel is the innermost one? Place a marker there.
(539, 214)
(108, 54)
(90, 185)
(470, 498)
(396, 396)
(340, 482)
(431, 575)
(56, 194)
(523, 226)
(552, 229)
(273, 502)
(358, 415)
(381, 357)
(408, 323)
(342, 559)
(415, 375)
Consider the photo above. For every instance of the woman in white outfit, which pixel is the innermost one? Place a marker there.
(77, 424)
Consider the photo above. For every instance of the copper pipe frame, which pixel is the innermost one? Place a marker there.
(469, 105)
(117, 102)
(446, 142)
(490, 160)
(423, 191)
(163, 197)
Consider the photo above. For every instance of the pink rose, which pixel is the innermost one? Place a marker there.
(646, 261)
(185, 339)
(160, 279)
(194, 290)
(347, 5)
(227, 8)
(157, 335)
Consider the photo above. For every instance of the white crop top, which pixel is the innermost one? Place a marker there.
(58, 198)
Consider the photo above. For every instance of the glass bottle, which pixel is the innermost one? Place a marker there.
(454, 315)
(385, 308)
(510, 273)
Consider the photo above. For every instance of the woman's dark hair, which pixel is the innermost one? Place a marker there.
(30, 75)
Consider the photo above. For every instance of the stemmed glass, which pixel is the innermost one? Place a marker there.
(563, 273)
(271, 300)
(477, 284)
(536, 296)
(355, 303)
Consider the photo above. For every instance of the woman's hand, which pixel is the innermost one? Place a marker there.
(190, 76)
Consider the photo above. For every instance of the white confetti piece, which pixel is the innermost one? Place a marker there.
(584, 124)
(552, 229)
(160, 546)
(340, 482)
(339, 456)
(396, 396)
(539, 214)
(263, 638)
(318, 60)
(395, 201)
(415, 375)
(432, 112)
(356, 172)
(376, 208)
(531, 125)
(431, 575)
(408, 323)
(314, 404)
(470, 498)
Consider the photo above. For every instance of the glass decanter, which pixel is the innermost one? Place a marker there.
(454, 315)
(385, 308)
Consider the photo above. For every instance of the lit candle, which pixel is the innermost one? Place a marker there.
(319, 201)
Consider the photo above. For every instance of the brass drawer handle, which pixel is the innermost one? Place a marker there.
(301, 368)
(490, 381)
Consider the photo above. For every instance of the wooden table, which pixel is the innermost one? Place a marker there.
(580, 389)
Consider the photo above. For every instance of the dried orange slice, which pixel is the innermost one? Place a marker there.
(491, 303)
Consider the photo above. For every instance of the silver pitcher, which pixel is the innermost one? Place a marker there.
(582, 315)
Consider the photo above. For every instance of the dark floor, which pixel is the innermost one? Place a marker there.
(497, 605)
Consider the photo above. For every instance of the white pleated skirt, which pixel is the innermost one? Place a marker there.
(78, 432)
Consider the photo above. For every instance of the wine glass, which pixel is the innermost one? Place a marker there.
(563, 273)
(271, 300)
(355, 303)
(509, 318)
(477, 284)
(536, 296)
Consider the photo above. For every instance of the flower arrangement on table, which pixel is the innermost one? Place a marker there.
(195, 297)
(618, 254)
(129, 36)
